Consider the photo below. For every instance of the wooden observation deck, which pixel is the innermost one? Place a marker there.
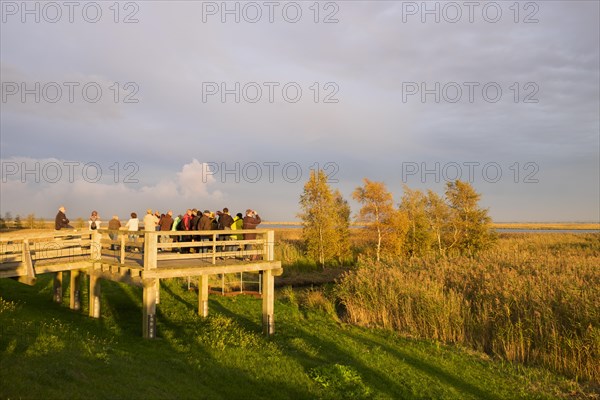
(141, 259)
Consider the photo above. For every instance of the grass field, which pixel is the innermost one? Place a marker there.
(407, 334)
(48, 351)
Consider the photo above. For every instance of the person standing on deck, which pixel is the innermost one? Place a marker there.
(224, 224)
(165, 223)
(150, 221)
(113, 226)
(251, 220)
(94, 221)
(186, 225)
(237, 225)
(205, 224)
(132, 226)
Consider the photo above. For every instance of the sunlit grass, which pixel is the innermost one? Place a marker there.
(49, 351)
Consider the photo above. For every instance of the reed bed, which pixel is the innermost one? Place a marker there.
(533, 299)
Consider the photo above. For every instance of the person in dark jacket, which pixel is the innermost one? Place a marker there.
(113, 226)
(186, 224)
(195, 226)
(165, 224)
(205, 224)
(251, 221)
(225, 220)
(224, 224)
(61, 221)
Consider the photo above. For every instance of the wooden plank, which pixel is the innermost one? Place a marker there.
(48, 268)
(268, 310)
(203, 296)
(208, 256)
(56, 253)
(134, 272)
(209, 243)
(13, 270)
(18, 237)
(123, 278)
(149, 308)
(178, 272)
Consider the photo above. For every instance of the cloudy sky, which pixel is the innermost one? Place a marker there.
(169, 105)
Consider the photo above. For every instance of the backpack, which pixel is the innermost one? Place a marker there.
(180, 226)
(93, 226)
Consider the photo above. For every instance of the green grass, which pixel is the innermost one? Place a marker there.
(48, 351)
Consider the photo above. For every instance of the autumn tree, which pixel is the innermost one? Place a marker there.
(385, 222)
(8, 217)
(438, 215)
(471, 224)
(419, 235)
(342, 226)
(41, 223)
(30, 221)
(325, 219)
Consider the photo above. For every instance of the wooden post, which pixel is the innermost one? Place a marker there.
(268, 286)
(94, 296)
(75, 290)
(150, 250)
(122, 249)
(157, 288)
(149, 309)
(203, 296)
(57, 292)
(96, 246)
(151, 259)
(270, 247)
(29, 277)
(214, 248)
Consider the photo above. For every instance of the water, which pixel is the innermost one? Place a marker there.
(499, 230)
(511, 230)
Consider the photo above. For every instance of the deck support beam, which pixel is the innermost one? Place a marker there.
(203, 296)
(149, 308)
(268, 297)
(95, 292)
(57, 290)
(75, 290)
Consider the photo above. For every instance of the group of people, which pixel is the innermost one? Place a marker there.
(192, 220)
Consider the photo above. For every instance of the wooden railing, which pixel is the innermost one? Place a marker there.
(183, 245)
(42, 246)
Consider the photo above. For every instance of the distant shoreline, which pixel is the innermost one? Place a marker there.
(498, 225)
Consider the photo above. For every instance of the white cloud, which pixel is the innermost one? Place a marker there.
(41, 192)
